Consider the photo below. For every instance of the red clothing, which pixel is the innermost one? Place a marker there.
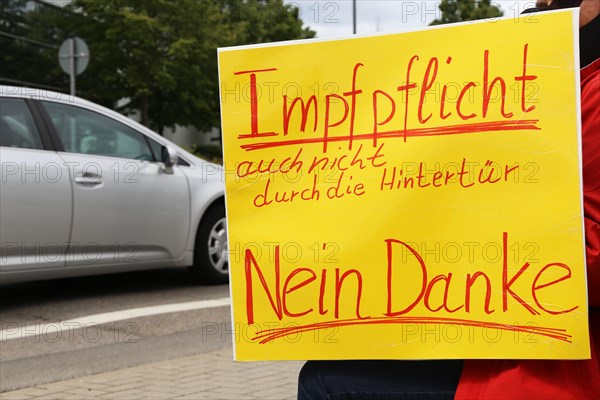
(543, 379)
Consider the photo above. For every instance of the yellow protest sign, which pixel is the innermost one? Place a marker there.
(407, 196)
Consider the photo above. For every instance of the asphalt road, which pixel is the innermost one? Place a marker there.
(35, 348)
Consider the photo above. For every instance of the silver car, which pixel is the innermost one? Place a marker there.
(85, 190)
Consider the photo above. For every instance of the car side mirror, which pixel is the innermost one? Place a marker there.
(169, 157)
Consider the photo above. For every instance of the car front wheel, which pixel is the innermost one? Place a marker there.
(211, 260)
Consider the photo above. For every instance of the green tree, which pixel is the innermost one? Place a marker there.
(263, 21)
(466, 10)
(161, 55)
(29, 46)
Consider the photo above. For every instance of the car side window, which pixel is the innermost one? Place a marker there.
(87, 132)
(17, 128)
(156, 148)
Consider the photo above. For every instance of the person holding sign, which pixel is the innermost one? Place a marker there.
(495, 379)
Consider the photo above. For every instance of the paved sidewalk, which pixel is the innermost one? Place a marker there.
(211, 376)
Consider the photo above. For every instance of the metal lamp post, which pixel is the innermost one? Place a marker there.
(354, 17)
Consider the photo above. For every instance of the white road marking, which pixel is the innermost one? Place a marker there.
(18, 331)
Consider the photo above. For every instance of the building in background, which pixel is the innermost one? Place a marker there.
(29, 55)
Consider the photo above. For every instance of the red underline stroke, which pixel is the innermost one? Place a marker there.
(268, 335)
(493, 126)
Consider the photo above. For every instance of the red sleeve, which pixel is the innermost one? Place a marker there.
(590, 117)
(534, 379)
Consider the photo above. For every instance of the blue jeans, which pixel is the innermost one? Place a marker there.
(379, 380)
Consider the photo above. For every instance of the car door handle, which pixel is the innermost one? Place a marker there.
(88, 179)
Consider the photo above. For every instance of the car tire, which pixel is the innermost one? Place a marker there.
(211, 261)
